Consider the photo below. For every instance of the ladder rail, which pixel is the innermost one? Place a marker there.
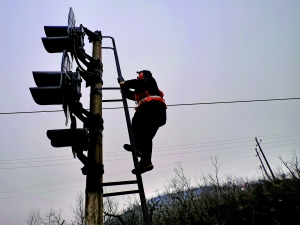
(131, 137)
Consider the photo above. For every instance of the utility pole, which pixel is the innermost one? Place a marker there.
(262, 164)
(94, 191)
(265, 158)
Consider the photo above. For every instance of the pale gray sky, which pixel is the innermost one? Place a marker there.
(198, 51)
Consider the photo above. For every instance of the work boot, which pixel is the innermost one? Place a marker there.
(144, 168)
(128, 148)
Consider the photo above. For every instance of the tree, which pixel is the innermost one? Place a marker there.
(34, 217)
(78, 210)
(50, 218)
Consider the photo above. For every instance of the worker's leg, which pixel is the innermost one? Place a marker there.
(145, 126)
(146, 143)
(138, 128)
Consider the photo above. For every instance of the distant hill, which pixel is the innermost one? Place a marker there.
(268, 202)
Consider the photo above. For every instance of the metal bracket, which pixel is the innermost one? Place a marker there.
(91, 78)
(95, 91)
(93, 36)
(89, 119)
(91, 63)
(95, 188)
(92, 168)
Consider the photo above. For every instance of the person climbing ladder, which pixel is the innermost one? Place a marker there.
(150, 114)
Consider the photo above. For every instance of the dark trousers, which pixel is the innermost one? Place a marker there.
(145, 123)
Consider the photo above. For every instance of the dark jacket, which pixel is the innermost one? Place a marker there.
(147, 84)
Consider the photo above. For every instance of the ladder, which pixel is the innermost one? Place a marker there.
(138, 180)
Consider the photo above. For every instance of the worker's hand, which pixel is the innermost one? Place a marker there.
(120, 82)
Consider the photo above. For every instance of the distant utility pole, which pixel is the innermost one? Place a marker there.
(265, 158)
(262, 164)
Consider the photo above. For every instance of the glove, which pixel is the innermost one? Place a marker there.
(120, 81)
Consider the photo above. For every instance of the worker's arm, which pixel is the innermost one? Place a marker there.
(138, 84)
(127, 92)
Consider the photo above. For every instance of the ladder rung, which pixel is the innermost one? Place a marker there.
(113, 100)
(110, 88)
(121, 193)
(119, 183)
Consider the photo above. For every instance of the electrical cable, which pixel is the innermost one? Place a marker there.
(120, 173)
(172, 149)
(25, 167)
(180, 153)
(238, 101)
(162, 155)
(165, 148)
(170, 105)
(39, 192)
(28, 187)
(212, 143)
(47, 157)
(50, 160)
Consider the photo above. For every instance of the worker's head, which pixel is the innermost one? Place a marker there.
(144, 73)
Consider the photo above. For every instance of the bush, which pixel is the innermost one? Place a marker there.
(213, 202)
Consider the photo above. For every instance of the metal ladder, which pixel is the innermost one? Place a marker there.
(138, 180)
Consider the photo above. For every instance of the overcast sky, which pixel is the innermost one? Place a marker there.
(198, 51)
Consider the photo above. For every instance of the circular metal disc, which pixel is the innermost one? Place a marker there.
(71, 19)
(65, 62)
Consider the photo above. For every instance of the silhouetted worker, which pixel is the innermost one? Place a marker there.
(149, 116)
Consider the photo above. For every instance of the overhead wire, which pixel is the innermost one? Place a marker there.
(5, 160)
(169, 148)
(161, 149)
(158, 167)
(114, 174)
(25, 167)
(170, 105)
(10, 163)
(172, 149)
(208, 150)
(161, 155)
(172, 164)
(42, 192)
(28, 187)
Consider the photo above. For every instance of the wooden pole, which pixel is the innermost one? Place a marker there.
(265, 158)
(262, 164)
(94, 192)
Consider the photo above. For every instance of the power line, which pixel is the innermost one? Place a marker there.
(24, 162)
(170, 105)
(171, 148)
(162, 155)
(28, 187)
(208, 150)
(25, 167)
(7, 160)
(112, 174)
(39, 192)
(221, 142)
(165, 148)
(238, 101)
(28, 112)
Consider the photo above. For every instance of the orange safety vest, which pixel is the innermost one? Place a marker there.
(144, 96)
